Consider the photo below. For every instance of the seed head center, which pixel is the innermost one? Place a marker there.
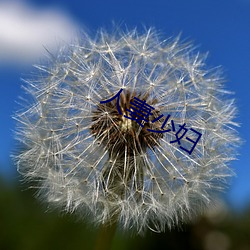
(117, 131)
(125, 124)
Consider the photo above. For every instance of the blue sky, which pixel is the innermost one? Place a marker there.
(221, 27)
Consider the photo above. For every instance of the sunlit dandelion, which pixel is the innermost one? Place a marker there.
(87, 157)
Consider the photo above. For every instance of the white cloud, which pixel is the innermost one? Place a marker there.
(25, 31)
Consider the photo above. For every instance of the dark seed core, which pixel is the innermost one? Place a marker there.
(116, 132)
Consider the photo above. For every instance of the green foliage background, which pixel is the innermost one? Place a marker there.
(26, 225)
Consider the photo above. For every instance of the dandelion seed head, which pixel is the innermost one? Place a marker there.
(87, 157)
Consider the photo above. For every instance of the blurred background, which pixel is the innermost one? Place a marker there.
(29, 28)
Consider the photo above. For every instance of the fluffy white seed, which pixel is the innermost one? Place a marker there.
(87, 158)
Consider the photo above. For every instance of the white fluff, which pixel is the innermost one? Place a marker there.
(166, 185)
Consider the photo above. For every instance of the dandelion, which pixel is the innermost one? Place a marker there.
(88, 155)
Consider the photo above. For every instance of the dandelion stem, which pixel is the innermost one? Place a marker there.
(105, 236)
